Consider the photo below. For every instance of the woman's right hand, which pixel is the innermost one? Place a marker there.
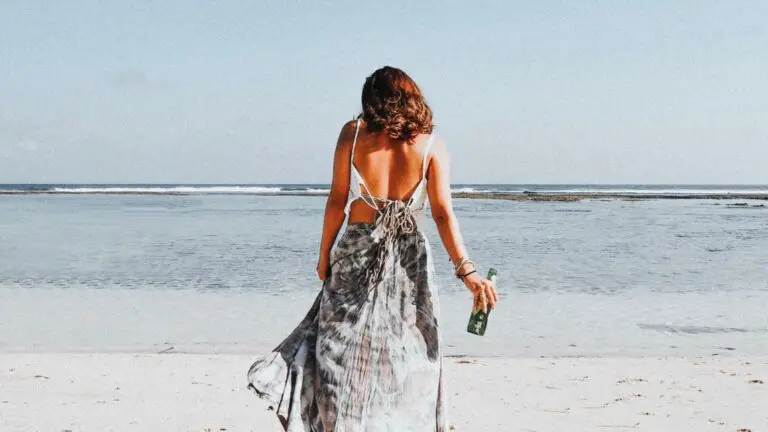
(323, 268)
(479, 286)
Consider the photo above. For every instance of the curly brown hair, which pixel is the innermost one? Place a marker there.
(393, 103)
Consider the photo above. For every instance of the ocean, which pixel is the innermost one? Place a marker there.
(230, 268)
(322, 189)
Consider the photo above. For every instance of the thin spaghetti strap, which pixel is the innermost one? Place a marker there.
(426, 155)
(356, 177)
(372, 203)
(354, 143)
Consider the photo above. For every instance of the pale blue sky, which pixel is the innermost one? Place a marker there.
(247, 91)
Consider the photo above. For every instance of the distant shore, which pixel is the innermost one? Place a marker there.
(604, 195)
(507, 196)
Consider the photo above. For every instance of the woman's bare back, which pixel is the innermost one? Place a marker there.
(390, 169)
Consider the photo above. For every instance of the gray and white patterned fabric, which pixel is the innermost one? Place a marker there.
(367, 356)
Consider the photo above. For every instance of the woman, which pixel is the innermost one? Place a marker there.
(367, 355)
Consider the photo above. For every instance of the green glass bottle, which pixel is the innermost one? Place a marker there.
(478, 320)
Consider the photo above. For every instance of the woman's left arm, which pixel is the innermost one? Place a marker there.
(337, 198)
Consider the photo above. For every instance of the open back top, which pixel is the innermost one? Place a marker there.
(356, 184)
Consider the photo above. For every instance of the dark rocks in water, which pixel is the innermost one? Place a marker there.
(579, 196)
(745, 205)
(519, 196)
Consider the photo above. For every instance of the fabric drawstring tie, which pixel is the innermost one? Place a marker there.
(394, 221)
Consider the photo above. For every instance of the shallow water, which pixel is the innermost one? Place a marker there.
(223, 273)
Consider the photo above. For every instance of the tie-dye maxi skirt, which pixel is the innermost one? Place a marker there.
(367, 356)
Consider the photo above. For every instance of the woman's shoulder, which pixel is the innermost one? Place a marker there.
(433, 141)
(437, 152)
(350, 128)
(347, 134)
(350, 125)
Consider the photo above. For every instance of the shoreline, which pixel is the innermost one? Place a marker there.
(505, 196)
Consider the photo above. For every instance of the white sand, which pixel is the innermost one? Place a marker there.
(197, 392)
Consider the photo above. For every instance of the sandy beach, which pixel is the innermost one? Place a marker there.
(199, 392)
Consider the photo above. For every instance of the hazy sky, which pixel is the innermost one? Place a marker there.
(249, 91)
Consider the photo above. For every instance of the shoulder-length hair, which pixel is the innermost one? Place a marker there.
(393, 104)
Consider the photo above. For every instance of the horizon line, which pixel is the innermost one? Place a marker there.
(328, 184)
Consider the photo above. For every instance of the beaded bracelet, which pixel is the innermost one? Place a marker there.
(474, 267)
(461, 263)
(462, 276)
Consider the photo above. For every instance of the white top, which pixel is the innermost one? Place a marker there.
(357, 183)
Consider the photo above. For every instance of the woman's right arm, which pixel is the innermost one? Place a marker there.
(440, 201)
(337, 199)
